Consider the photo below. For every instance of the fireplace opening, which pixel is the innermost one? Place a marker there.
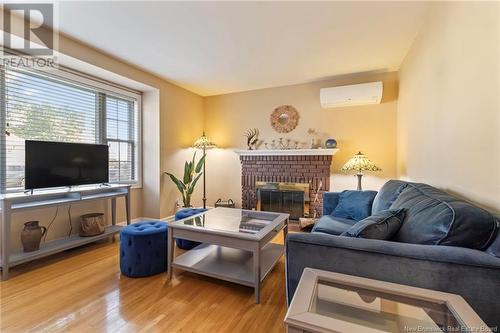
(291, 198)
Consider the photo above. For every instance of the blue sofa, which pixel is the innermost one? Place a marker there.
(444, 244)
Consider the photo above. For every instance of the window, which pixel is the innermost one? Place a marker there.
(120, 136)
(41, 106)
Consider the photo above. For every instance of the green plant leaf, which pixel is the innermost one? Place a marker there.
(191, 171)
(187, 185)
(192, 162)
(187, 173)
(177, 182)
(200, 164)
(193, 184)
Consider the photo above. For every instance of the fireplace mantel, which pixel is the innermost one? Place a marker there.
(286, 152)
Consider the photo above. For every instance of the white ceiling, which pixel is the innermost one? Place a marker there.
(214, 48)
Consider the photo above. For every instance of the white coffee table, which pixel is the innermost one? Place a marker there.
(330, 302)
(235, 245)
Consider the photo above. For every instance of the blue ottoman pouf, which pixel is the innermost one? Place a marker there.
(143, 248)
(182, 214)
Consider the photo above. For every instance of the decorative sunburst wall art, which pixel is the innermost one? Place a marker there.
(284, 118)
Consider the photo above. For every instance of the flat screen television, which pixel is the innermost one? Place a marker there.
(55, 164)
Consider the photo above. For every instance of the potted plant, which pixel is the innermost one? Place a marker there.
(192, 172)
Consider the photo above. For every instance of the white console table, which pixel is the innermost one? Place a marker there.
(12, 203)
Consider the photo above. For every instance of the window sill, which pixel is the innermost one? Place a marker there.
(133, 186)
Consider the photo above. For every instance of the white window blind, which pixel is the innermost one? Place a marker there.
(39, 106)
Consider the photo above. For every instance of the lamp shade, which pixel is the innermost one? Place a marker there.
(359, 163)
(203, 142)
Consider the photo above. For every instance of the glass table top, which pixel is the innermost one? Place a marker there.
(232, 220)
(381, 311)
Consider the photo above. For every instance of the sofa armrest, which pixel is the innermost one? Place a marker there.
(444, 268)
(330, 201)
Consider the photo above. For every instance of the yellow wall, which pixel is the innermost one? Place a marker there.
(448, 112)
(370, 128)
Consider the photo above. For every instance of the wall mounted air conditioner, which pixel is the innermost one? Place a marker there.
(356, 94)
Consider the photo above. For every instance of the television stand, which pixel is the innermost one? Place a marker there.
(18, 202)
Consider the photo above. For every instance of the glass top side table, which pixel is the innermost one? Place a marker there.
(331, 302)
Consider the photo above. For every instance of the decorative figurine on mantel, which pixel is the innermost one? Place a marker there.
(282, 144)
(330, 143)
(313, 133)
(252, 136)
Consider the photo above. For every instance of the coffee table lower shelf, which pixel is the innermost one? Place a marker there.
(228, 264)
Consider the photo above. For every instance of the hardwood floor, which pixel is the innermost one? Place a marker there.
(83, 291)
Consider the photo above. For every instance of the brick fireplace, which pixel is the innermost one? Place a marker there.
(309, 166)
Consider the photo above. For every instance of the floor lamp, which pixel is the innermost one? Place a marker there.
(204, 143)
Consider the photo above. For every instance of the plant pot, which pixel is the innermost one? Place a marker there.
(32, 235)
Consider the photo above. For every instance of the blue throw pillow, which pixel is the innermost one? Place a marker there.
(382, 225)
(434, 217)
(354, 205)
(388, 194)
